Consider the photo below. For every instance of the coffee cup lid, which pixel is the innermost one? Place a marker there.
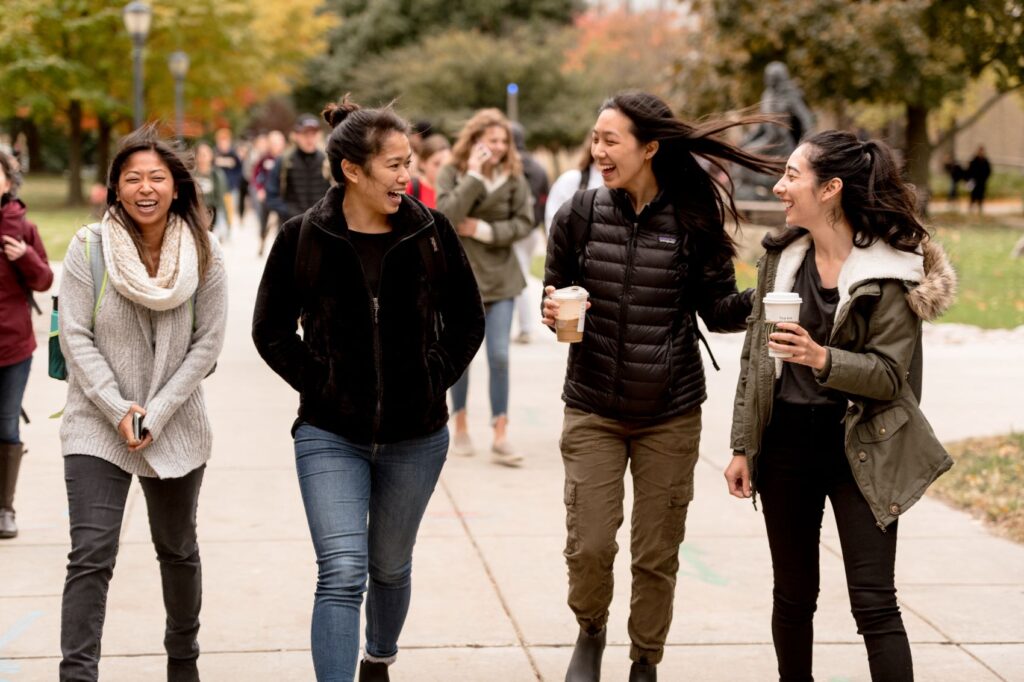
(782, 297)
(573, 293)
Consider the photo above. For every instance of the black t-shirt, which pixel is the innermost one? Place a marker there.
(371, 249)
(797, 384)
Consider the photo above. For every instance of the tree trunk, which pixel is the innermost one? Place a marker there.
(75, 197)
(919, 152)
(103, 150)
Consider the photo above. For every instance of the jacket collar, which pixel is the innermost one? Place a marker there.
(621, 199)
(327, 214)
(876, 262)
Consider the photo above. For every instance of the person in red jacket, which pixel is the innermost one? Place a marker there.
(23, 269)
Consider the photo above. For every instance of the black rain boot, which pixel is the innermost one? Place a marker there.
(373, 671)
(585, 665)
(642, 671)
(10, 463)
(182, 670)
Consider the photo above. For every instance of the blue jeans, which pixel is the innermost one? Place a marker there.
(13, 379)
(342, 484)
(497, 331)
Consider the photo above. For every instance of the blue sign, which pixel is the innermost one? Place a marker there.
(512, 88)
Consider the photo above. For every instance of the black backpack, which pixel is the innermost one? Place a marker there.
(581, 217)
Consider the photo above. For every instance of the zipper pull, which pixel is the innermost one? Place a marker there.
(433, 244)
(376, 309)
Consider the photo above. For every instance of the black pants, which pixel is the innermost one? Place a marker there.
(97, 491)
(802, 462)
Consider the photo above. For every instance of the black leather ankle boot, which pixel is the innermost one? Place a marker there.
(371, 671)
(642, 671)
(585, 665)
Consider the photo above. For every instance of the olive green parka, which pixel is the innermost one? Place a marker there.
(874, 359)
(508, 209)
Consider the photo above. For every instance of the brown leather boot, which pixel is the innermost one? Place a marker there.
(10, 463)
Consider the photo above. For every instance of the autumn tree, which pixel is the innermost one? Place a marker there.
(911, 53)
(69, 59)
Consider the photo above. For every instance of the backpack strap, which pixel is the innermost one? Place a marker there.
(94, 254)
(417, 188)
(308, 257)
(580, 219)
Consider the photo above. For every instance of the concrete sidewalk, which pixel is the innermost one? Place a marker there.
(490, 586)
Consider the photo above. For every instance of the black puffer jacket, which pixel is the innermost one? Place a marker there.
(639, 358)
(372, 367)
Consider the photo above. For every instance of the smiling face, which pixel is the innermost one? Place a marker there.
(431, 166)
(382, 183)
(619, 155)
(800, 191)
(495, 138)
(146, 189)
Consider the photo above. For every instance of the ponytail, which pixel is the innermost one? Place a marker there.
(875, 200)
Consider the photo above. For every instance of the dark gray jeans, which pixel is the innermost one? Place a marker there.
(97, 491)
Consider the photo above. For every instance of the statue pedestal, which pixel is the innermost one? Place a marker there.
(768, 213)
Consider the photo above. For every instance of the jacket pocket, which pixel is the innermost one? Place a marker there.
(673, 528)
(883, 425)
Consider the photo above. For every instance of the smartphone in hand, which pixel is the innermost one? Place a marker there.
(137, 425)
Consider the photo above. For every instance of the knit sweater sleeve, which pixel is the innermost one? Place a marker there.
(211, 308)
(87, 366)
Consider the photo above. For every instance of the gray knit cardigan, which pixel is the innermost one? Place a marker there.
(134, 354)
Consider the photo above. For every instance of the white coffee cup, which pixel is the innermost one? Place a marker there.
(572, 309)
(780, 306)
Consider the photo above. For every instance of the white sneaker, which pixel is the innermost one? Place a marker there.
(523, 338)
(503, 453)
(462, 446)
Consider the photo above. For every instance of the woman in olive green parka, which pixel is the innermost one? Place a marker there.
(485, 195)
(839, 417)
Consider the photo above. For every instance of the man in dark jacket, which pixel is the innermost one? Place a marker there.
(978, 172)
(298, 179)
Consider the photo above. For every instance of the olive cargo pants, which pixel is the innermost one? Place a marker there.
(661, 456)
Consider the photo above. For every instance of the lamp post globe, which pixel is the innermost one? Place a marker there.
(137, 18)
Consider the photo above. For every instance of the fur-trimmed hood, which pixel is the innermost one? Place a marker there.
(929, 275)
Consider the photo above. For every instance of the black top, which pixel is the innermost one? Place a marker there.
(817, 314)
(371, 249)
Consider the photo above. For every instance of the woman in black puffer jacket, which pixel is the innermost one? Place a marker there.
(651, 249)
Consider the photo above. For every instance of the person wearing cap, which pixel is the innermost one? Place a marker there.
(298, 180)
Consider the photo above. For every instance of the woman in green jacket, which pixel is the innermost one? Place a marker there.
(484, 194)
(839, 417)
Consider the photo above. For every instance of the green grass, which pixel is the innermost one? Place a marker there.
(45, 197)
(1001, 185)
(988, 481)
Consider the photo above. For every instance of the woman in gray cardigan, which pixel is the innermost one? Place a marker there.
(484, 194)
(139, 343)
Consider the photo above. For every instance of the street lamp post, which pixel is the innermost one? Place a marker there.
(178, 64)
(137, 17)
(512, 102)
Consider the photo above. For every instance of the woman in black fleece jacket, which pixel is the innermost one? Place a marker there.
(391, 317)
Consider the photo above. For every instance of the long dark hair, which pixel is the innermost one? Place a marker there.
(188, 205)
(875, 200)
(358, 133)
(695, 193)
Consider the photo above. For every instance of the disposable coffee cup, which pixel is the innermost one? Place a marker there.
(780, 306)
(572, 309)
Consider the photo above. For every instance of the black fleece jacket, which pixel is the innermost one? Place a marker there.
(372, 367)
(647, 276)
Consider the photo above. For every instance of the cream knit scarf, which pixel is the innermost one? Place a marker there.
(177, 275)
